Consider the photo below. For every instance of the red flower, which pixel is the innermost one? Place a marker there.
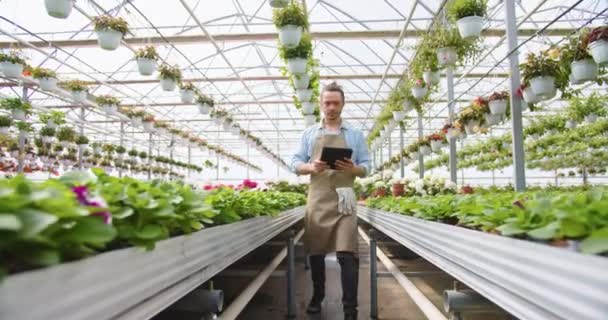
(466, 189)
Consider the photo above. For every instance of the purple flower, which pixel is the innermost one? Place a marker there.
(81, 193)
(107, 217)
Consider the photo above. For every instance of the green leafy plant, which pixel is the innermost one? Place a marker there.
(5, 121)
(81, 140)
(107, 100)
(467, 49)
(302, 50)
(148, 52)
(121, 150)
(143, 155)
(187, 85)
(466, 8)
(107, 22)
(204, 99)
(13, 57)
(542, 65)
(75, 85)
(57, 117)
(47, 132)
(66, 134)
(578, 107)
(24, 126)
(292, 14)
(16, 104)
(170, 72)
(133, 153)
(41, 73)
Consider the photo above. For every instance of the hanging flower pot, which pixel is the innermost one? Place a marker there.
(415, 155)
(436, 145)
(571, 124)
(109, 39)
(599, 51)
(187, 96)
(297, 65)
(18, 115)
(470, 27)
(584, 70)
(543, 86)
(60, 9)
(64, 144)
(226, 125)
(425, 150)
(431, 77)
(591, 118)
(304, 95)
(492, 119)
(11, 70)
(453, 133)
(235, 130)
(407, 105)
(419, 90)
(217, 121)
(82, 147)
(204, 108)
(137, 121)
(529, 96)
(310, 120)
(290, 35)
(79, 96)
(575, 81)
(470, 126)
(47, 84)
(277, 4)
(168, 84)
(301, 81)
(498, 107)
(308, 108)
(109, 109)
(398, 115)
(148, 126)
(146, 66)
(447, 56)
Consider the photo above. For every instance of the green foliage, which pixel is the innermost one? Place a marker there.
(465, 8)
(81, 140)
(187, 85)
(107, 100)
(66, 134)
(292, 14)
(23, 126)
(41, 73)
(204, 99)
(57, 117)
(302, 50)
(543, 65)
(5, 121)
(467, 49)
(15, 104)
(148, 52)
(121, 150)
(75, 85)
(143, 155)
(580, 107)
(170, 72)
(106, 22)
(13, 56)
(47, 132)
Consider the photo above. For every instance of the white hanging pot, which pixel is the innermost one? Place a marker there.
(436, 145)
(469, 127)
(398, 115)
(492, 119)
(109, 39)
(407, 105)
(11, 70)
(204, 108)
(82, 147)
(137, 121)
(304, 95)
(109, 108)
(571, 124)
(543, 86)
(168, 84)
(226, 126)
(79, 96)
(146, 66)
(591, 118)
(148, 126)
(498, 107)
(23, 135)
(453, 133)
(425, 150)
(310, 120)
(301, 81)
(217, 121)
(64, 144)
(530, 96)
(59, 8)
(4, 130)
(447, 56)
(235, 130)
(51, 124)
(297, 65)
(431, 77)
(290, 35)
(419, 92)
(47, 84)
(308, 108)
(470, 27)
(187, 96)
(584, 70)
(575, 81)
(47, 139)
(414, 155)
(599, 51)
(18, 115)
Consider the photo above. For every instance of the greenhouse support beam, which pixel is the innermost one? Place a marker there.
(401, 146)
(390, 147)
(272, 36)
(81, 128)
(516, 119)
(22, 139)
(452, 141)
(149, 156)
(420, 156)
(122, 144)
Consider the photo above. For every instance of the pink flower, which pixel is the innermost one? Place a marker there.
(208, 187)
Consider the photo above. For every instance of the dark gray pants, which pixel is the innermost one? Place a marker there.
(349, 265)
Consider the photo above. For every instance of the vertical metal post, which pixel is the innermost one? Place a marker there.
(373, 276)
(381, 155)
(149, 156)
(122, 142)
(517, 130)
(462, 170)
(420, 156)
(453, 156)
(80, 151)
(248, 145)
(291, 277)
(390, 147)
(22, 140)
(373, 161)
(401, 146)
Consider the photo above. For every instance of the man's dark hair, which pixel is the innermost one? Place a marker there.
(333, 87)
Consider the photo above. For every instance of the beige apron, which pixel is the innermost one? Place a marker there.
(327, 230)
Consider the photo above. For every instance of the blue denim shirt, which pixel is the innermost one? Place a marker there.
(354, 140)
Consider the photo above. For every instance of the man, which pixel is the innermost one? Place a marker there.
(331, 221)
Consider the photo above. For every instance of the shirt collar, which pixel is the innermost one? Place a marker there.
(343, 125)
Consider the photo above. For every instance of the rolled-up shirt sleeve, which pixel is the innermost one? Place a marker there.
(301, 156)
(362, 153)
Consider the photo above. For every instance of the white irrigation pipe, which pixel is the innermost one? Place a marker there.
(423, 303)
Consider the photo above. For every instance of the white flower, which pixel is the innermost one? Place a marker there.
(450, 185)
(379, 184)
(419, 186)
(395, 180)
(388, 174)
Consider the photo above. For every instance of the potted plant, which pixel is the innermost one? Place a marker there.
(110, 31)
(525, 92)
(379, 189)
(291, 22)
(143, 155)
(12, 64)
(187, 92)
(277, 4)
(452, 130)
(96, 148)
(18, 108)
(424, 146)
(471, 117)
(60, 9)
(540, 72)
(65, 135)
(304, 95)
(437, 141)
(137, 117)
(146, 59)
(5, 124)
(47, 134)
(120, 151)
(419, 89)
(148, 122)
(598, 44)
(468, 15)
(24, 129)
(574, 52)
(133, 154)
(204, 103)
(82, 141)
(170, 76)
(301, 81)
(450, 48)
(109, 104)
(78, 90)
(298, 56)
(498, 102)
(47, 78)
(587, 109)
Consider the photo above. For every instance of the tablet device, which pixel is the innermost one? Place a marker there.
(330, 155)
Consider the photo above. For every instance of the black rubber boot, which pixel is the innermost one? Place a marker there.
(350, 283)
(317, 272)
